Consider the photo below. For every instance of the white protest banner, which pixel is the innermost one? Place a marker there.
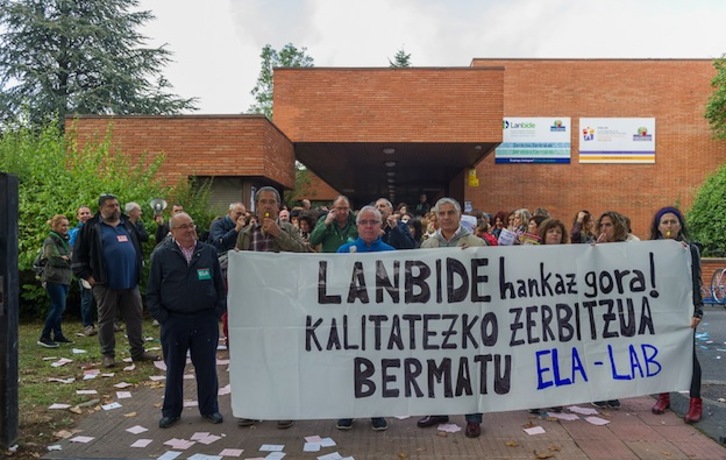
(456, 331)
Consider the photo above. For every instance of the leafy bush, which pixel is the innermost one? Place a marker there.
(56, 177)
(706, 216)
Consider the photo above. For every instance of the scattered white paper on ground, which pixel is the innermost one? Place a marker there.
(231, 452)
(563, 416)
(130, 368)
(153, 348)
(182, 444)
(597, 420)
(402, 417)
(111, 406)
(169, 455)
(534, 430)
(61, 362)
(78, 351)
(190, 404)
(210, 438)
(141, 442)
(82, 439)
(275, 456)
(53, 358)
(189, 377)
(222, 362)
(583, 410)
(449, 427)
(225, 390)
(123, 394)
(136, 429)
(89, 376)
(272, 447)
(311, 447)
(327, 442)
(205, 457)
(86, 392)
(110, 374)
(332, 456)
(56, 379)
(56, 447)
(160, 365)
(91, 372)
(122, 385)
(199, 435)
(56, 406)
(315, 438)
(157, 378)
(128, 360)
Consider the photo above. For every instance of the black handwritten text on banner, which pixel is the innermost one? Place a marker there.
(456, 331)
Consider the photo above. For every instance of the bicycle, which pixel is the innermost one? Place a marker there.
(718, 286)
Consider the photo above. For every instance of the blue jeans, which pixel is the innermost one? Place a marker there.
(57, 293)
(88, 305)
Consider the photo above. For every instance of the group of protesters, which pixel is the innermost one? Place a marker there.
(186, 290)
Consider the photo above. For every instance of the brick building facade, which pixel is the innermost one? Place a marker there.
(440, 122)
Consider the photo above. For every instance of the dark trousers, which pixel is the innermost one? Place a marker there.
(110, 302)
(200, 335)
(57, 293)
(87, 305)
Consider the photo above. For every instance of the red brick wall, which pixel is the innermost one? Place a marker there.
(673, 91)
(389, 105)
(200, 145)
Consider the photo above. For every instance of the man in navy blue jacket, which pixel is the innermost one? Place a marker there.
(186, 294)
(395, 232)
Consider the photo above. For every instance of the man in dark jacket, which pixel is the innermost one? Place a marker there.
(108, 256)
(395, 232)
(186, 294)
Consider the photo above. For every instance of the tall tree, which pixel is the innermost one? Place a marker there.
(61, 57)
(401, 59)
(288, 56)
(716, 106)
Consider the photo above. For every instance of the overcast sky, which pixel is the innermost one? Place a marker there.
(216, 43)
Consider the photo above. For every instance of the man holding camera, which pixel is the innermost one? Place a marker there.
(336, 228)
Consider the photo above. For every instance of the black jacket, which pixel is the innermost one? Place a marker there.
(88, 250)
(176, 288)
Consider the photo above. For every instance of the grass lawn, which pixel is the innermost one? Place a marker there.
(40, 426)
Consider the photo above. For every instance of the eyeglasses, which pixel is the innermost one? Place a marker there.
(369, 222)
(186, 226)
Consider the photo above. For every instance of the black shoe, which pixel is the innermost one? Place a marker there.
(614, 403)
(432, 420)
(166, 422)
(473, 430)
(47, 343)
(62, 339)
(214, 417)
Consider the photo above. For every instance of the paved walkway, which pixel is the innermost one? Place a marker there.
(633, 433)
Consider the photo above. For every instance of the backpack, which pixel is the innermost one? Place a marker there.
(39, 264)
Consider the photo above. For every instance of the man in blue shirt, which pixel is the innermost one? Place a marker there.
(108, 257)
(368, 222)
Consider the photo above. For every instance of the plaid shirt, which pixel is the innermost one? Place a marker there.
(261, 242)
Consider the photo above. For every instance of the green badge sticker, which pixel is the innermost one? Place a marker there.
(204, 274)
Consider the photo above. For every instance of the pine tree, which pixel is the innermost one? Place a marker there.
(61, 57)
(288, 56)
